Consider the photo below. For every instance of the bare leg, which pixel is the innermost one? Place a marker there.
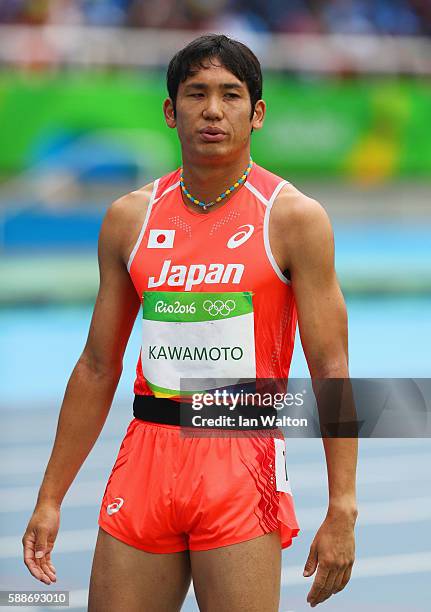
(126, 579)
(243, 577)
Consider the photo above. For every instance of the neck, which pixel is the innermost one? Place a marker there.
(207, 182)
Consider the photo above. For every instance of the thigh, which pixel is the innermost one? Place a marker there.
(244, 577)
(124, 578)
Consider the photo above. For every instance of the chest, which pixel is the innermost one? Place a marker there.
(180, 253)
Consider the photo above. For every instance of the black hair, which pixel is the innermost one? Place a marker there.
(232, 54)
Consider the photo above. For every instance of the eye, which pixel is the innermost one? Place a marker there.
(196, 95)
(232, 95)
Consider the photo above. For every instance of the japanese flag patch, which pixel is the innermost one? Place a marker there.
(161, 239)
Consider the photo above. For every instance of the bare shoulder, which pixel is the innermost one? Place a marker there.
(298, 224)
(130, 205)
(295, 211)
(124, 218)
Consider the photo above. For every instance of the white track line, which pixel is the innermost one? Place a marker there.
(88, 494)
(388, 565)
(370, 567)
(388, 512)
(80, 495)
(371, 513)
(305, 475)
(41, 424)
(30, 459)
(74, 540)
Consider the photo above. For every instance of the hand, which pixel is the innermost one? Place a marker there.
(38, 542)
(333, 552)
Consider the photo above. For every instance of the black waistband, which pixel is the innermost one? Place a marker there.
(168, 412)
(156, 409)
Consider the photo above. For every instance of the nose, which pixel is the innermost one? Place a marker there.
(213, 108)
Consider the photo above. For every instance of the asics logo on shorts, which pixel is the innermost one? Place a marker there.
(219, 307)
(115, 506)
(240, 237)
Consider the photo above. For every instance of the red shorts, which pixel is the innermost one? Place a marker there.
(168, 493)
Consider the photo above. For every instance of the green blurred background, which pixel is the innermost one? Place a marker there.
(75, 141)
(363, 129)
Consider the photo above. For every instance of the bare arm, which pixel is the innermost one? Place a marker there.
(322, 320)
(90, 389)
(93, 382)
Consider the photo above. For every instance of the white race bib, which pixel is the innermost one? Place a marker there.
(205, 335)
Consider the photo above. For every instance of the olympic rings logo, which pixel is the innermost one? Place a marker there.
(219, 307)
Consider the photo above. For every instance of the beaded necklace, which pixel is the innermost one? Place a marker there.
(228, 191)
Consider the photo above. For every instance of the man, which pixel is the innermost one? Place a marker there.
(222, 234)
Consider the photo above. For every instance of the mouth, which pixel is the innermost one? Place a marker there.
(212, 134)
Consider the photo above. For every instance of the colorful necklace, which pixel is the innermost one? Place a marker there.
(228, 191)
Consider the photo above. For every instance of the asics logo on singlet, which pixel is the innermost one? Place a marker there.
(240, 237)
(196, 274)
(219, 307)
(115, 506)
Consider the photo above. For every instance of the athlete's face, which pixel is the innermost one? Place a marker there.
(213, 114)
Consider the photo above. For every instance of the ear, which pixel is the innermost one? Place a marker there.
(258, 115)
(168, 111)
